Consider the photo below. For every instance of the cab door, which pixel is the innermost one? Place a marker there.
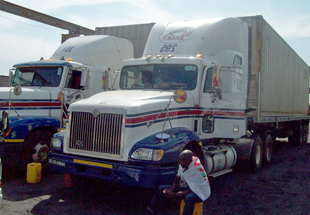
(222, 103)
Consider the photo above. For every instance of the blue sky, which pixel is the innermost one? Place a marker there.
(24, 40)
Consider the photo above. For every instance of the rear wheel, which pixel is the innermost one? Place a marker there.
(267, 148)
(256, 153)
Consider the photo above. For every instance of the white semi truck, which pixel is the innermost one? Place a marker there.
(223, 88)
(41, 91)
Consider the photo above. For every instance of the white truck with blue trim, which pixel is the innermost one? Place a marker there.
(223, 88)
(41, 91)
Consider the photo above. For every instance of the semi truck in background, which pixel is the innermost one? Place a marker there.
(36, 104)
(223, 88)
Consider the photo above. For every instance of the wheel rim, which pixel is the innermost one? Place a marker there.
(40, 152)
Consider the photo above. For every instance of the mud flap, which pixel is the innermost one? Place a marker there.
(243, 148)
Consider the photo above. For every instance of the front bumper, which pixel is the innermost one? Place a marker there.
(120, 173)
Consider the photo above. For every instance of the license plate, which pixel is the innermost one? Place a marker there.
(57, 163)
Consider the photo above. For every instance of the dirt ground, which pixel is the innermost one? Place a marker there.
(283, 187)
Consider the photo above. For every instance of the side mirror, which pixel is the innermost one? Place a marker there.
(84, 77)
(11, 76)
(5, 122)
(17, 90)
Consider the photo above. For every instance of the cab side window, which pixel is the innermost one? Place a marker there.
(73, 79)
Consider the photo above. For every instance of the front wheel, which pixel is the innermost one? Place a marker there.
(256, 153)
(36, 148)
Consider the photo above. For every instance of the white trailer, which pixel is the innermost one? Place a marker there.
(236, 85)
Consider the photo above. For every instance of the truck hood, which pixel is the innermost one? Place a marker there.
(135, 101)
(29, 97)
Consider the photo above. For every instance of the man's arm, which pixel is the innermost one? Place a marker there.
(176, 183)
(184, 193)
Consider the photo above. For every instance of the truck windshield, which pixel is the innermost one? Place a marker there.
(38, 76)
(159, 76)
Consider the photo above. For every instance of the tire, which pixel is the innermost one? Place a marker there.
(256, 158)
(36, 148)
(267, 149)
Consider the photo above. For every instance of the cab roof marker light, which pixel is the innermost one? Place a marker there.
(199, 55)
(158, 56)
(170, 55)
(69, 59)
(148, 58)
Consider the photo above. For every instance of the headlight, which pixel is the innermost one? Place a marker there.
(148, 154)
(55, 143)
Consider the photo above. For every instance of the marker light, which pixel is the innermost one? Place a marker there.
(148, 58)
(7, 133)
(69, 59)
(61, 96)
(236, 128)
(199, 55)
(169, 56)
(158, 56)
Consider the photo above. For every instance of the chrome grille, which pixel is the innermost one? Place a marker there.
(101, 134)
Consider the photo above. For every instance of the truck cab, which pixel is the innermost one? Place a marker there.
(41, 92)
(194, 88)
(150, 129)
